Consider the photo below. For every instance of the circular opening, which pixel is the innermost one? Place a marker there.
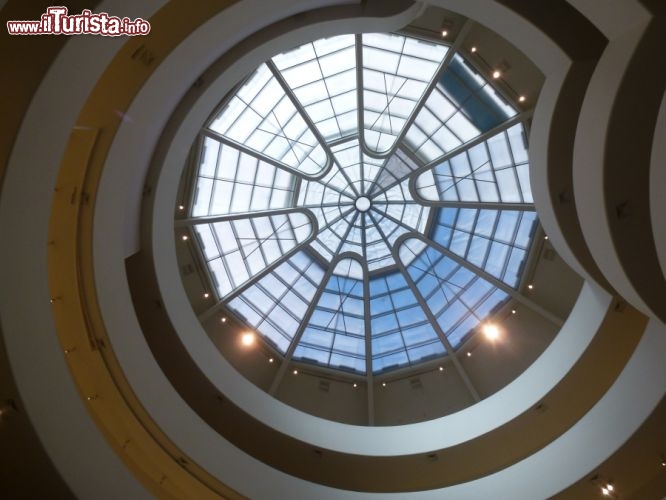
(362, 204)
(354, 267)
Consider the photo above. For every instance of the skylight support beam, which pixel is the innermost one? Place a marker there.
(489, 205)
(311, 125)
(392, 219)
(244, 149)
(286, 361)
(453, 49)
(208, 313)
(512, 292)
(245, 215)
(435, 325)
(343, 214)
(368, 343)
(359, 100)
(514, 120)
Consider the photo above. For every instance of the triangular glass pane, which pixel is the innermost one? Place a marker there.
(493, 240)
(461, 107)
(261, 117)
(360, 168)
(237, 250)
(396, 168)
(401, 333)
(322, 76)
(496, 170)
(230, 181)
(276, 304)
(396, 73)
(458, 298)
(335, 333)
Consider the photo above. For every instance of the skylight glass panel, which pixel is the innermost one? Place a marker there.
(261, 117)
(401, 332)
(237, 250)
(276, 305)
(460, 108)
(322, 76)
(273, 208)
(330, 238)
(361, 170)
(396, 73)
(230, 181)
(458, 298)
(496, 241)
(496, 170)
(395, 169)
(335, 333)
(439, 127)
(474, 95)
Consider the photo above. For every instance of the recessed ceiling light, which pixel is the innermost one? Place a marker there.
(545, 237)
(206, 295)
(184, 237)
(383, 384)
(491, 331)
(223, 320)
(270, 360)
(513, 311)
(530, 286)
(445, 33)
(441, 368)
(473, 49)
(355, 384)
(521, 98)
(295, 372)
(469, 354)
(181, 207)
(496, 74)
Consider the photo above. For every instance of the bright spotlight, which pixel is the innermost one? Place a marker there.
(491, 331)
(247, 339)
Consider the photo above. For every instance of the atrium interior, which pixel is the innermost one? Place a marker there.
(335, 249)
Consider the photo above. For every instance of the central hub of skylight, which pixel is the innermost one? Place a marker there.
(362, 204)
(348, 210)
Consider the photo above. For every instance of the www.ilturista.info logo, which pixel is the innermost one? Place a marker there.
(56, 22)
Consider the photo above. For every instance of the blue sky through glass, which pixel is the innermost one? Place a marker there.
(408, 125)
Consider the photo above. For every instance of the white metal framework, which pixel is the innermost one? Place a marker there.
(363, 202)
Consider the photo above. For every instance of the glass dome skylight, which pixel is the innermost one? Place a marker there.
(363, 201)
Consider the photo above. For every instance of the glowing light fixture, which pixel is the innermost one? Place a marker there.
(247, 339)
(491, 331)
